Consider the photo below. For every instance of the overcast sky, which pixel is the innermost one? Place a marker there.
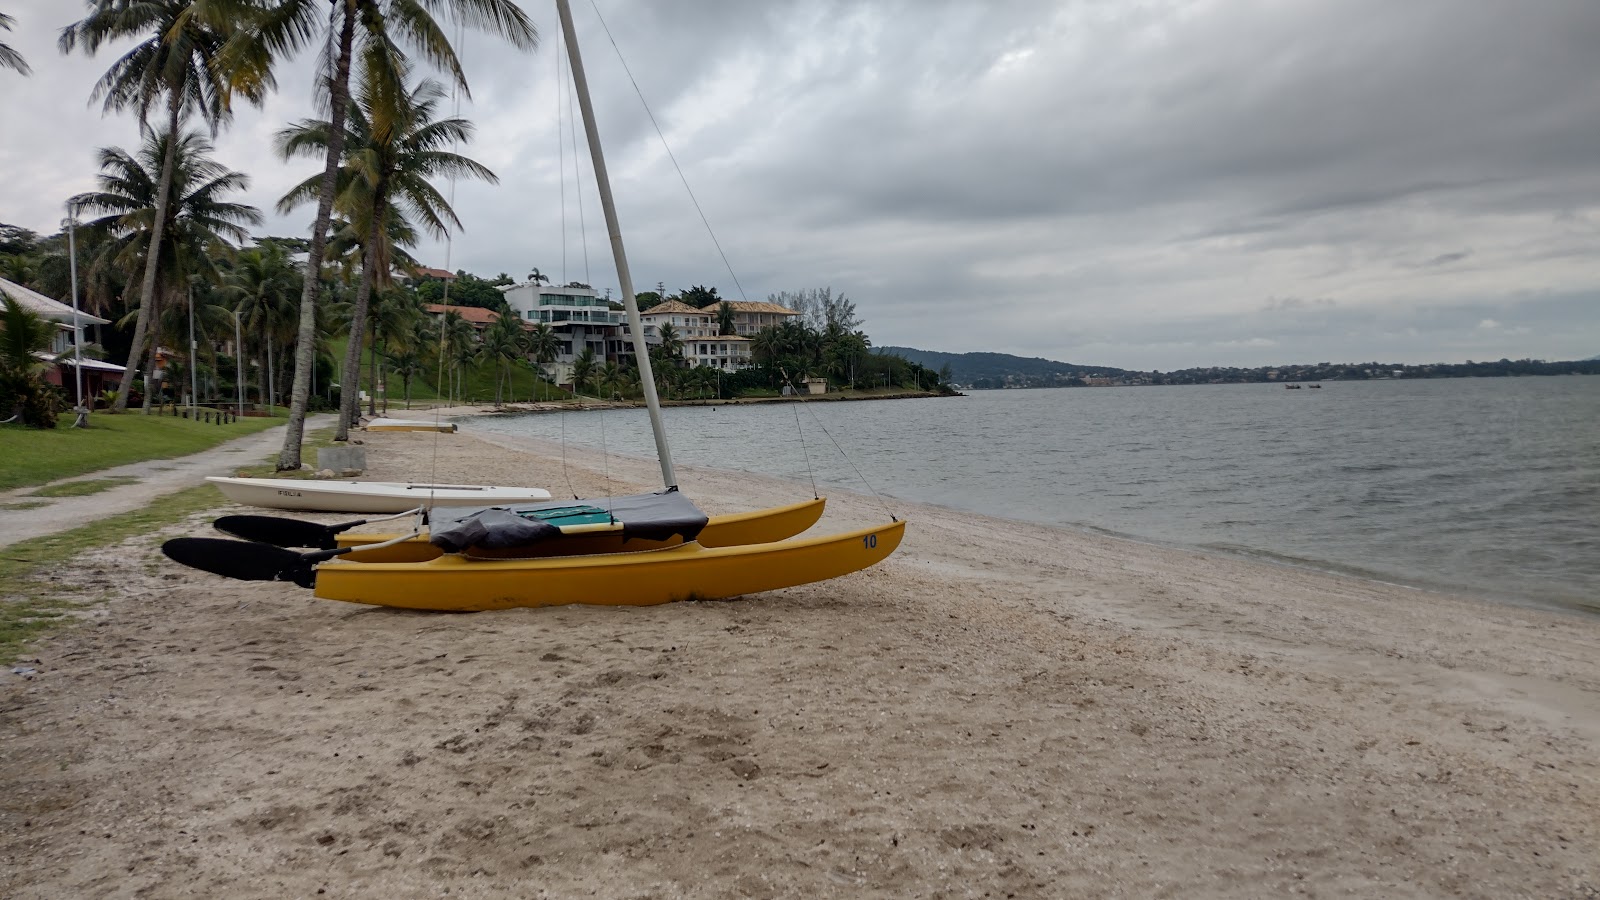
(1153, 185)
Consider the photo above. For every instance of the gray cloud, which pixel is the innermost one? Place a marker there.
(1148, 186)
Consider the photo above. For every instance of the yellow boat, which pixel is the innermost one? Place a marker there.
(502, 557)
(454, 583)
(762, 526)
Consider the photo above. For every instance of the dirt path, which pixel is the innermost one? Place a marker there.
(157, 477)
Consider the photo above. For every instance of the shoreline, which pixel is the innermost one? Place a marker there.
(1576, 607)
(999, 708)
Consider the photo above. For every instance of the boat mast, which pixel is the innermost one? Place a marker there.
(641, 350)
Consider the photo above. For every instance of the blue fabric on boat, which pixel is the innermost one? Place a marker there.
(655, 516)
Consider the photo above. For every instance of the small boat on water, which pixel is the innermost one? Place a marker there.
(366, 496)
(384, 424)
(1292, 387)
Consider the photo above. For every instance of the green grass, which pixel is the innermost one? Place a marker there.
(83, 488)
(25, 504)
(29, 606)
(31, 456)
(478, 387)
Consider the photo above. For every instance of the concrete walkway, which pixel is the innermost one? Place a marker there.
(157, 477)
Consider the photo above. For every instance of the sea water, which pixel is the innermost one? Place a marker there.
(1487, 486)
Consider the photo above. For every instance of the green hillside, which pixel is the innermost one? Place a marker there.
(997, 370)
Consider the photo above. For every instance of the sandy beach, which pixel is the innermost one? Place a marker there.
(1000, 710)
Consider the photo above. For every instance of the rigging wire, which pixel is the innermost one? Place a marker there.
(449, 248)
(859, 474)
(679, 169)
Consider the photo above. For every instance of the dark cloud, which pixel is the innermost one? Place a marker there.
(1121, 183)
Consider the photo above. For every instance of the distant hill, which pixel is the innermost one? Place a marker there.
(998, 370)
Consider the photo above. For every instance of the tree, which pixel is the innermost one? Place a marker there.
(9, 58)
(542, 346)
(393, 146)
(612, 380)
(818, 308)
(725, 319)
(671, 346)
(24, 333)
(538, 277)
(503, 342)
(700, 297)
(262, 287)
(198, 221)
(286, 25)
(180, 58)
(583, 370)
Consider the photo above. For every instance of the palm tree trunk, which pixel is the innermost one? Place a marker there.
(305, 346)
(147, 288)
(272, 388)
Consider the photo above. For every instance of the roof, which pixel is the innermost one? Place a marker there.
(441, 274)
(753, 306)
(38, 303)
(476, 315)
(676, 307)
(88, 364)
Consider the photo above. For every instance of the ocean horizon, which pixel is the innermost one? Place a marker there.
(1487, 487)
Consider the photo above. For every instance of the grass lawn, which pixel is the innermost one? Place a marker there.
(35, 456)
(30, 604)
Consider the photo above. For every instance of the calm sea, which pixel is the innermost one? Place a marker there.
(1488, 486)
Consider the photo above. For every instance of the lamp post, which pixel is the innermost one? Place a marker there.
(71, 224)
(194, 376)
(238, 358)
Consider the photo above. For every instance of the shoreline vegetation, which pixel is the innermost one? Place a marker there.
(1001, 708)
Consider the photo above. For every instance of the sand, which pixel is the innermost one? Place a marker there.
(999, 710)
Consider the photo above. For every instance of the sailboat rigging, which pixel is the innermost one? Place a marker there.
(637, 550)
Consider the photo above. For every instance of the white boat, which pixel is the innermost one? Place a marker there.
(367, 496)
(383, 424)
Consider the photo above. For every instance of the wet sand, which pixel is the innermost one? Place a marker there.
(1001, 709)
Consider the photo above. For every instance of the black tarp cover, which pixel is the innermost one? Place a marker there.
(656, 516)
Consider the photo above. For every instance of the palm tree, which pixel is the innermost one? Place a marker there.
(392, 147)
(583, 369)
(389, 320)
(288, 25)
(538, 277)
(23, 333)
(9, 58)
(262, 286)
(198, 223)
(504, 343)
(180, 59)
(671, 345)
(542, 345)
(612, 380)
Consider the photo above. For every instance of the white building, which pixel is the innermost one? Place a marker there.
(580, 318)
(698, 330)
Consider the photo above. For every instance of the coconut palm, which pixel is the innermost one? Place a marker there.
(612, 379)
(504, 343)
(389, 321)
(583, 370)
(186, 230)
(393, 146)
(542, 346)
(261, 288)
(377, 29)
(9, 58)
(178, 59)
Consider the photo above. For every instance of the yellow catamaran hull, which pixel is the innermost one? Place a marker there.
(691, 571)
(762, 526)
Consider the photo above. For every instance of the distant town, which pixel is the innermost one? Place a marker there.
(996, 371)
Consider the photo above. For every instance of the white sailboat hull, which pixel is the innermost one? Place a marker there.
(366, 496)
